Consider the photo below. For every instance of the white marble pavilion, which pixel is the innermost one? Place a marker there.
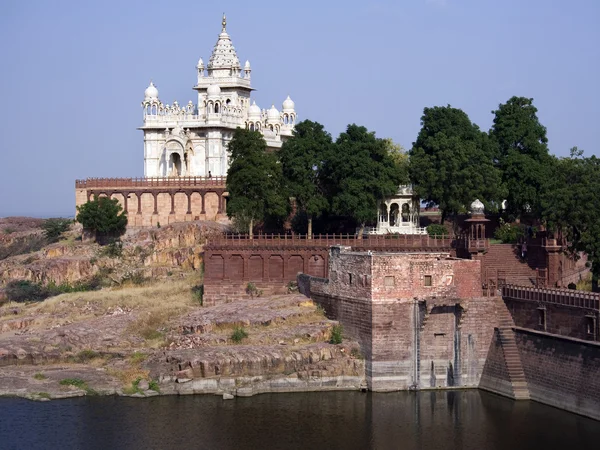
(191, 139)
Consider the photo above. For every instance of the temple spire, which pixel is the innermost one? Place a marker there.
(224, 23)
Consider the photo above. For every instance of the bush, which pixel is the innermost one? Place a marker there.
(436, 230)
(336, 334)
(54, 228)
(112, 250)
(24, 290)
(508, 233)
(238, 335)
(198, 293)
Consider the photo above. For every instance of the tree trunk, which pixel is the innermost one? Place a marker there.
(361, 230)
(250, 228)
(309, 235)
(443, 217)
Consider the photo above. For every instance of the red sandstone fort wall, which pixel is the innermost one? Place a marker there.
(561, 371)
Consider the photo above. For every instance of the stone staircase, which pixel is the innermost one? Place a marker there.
(512, 357)
(502, 261)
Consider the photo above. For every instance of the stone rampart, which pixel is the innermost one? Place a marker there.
(153, 201)
(419, 317)
(561, 371)
(273, 262)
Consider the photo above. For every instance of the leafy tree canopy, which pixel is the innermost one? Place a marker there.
(523, 155)
(103, 216)
(400, 158)
(54, 228)
(359, 172)
(254, 179)
(302, 158)
(452, 162)
(571, 204)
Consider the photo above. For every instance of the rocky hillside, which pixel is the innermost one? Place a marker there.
(144, 253)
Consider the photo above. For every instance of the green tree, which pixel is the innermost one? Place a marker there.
(302, 158)
(522, 154)
(254, 180)
(400, 158)
(359, 172)
(452, 162)
(103, 217)
(54, 228)
(571, 203)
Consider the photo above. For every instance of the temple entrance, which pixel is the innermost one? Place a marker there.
(175, 165)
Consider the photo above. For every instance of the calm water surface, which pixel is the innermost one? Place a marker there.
(334, 420)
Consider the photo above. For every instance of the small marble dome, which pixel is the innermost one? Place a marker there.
(151, 93)
(477, 208)
(288, 104)
(200, 63)
(273, 114)
(213, 90)
(247, 65)
(254, 111)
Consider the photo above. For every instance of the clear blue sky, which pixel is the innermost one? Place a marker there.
(73, 73)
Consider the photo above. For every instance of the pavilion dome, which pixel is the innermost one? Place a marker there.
(254, 111)
(477, 208)
(213, 90)
(151, 93)
(273, 114)
(288, 104)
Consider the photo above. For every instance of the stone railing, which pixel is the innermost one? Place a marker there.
(150, 182)
(563, 297)
(325, 240)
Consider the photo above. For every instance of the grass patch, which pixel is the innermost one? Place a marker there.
(40, 376)
(238, 335)
(336, 334)
(134, 387)
(153, 386)
(43, 395)
(79, 384)
(138, 358)
(87, 355)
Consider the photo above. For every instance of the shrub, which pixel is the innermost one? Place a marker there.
(54, 228)
(436, 230)
(40, 376)
(135, 278)
(251, 289)
(336, 334)
(112, 250)
(24, 290)
(508, 233)
(198, 293)
(9, 230)
(238, 335)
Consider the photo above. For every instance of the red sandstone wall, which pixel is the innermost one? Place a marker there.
(562, 320)
(404, 276)
(495, 377)
(561, 372)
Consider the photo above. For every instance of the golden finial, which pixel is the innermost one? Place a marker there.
(224, 22)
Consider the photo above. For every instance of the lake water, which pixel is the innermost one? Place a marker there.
(332, 420)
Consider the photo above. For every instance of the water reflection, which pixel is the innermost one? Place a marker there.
(334, 420)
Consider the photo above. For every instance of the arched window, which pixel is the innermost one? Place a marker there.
(216, 108)
(251, 127)
(394, 212)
